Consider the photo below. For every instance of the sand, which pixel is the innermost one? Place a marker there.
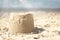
(47, 27)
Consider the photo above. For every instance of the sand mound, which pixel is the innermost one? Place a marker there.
(23, 23)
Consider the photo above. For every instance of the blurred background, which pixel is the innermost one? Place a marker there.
(29, 4)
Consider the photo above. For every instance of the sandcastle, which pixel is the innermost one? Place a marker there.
(21, 23)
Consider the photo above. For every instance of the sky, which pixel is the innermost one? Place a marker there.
(30, 3)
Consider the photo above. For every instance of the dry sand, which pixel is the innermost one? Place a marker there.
(47, 27)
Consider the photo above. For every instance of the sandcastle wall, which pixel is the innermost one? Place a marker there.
(21, 23)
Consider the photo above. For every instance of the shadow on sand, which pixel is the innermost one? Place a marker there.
(38, 30)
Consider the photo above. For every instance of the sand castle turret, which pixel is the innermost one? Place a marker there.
(21, 23)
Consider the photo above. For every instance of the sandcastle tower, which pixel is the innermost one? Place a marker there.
(21, 23)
